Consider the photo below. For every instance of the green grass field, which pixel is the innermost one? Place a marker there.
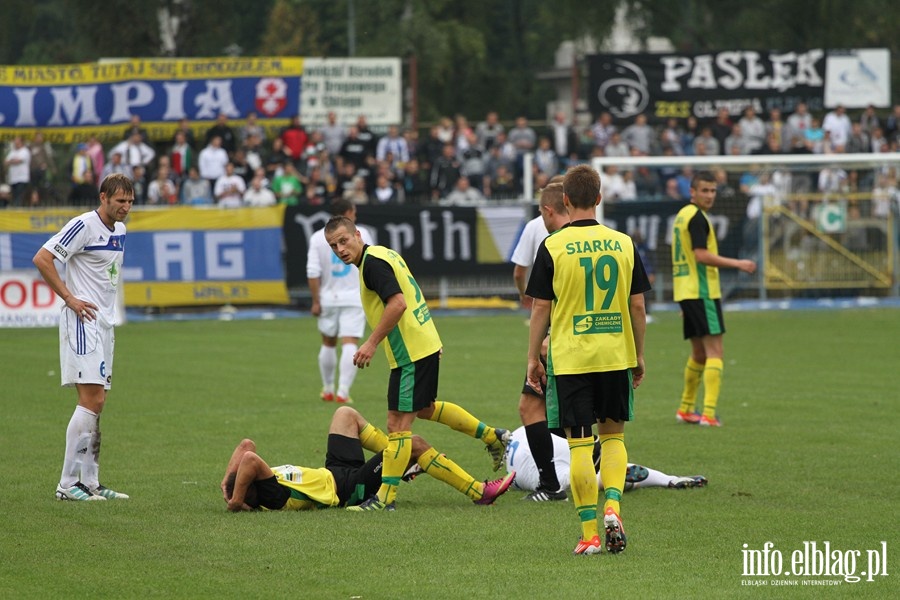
(808, 453)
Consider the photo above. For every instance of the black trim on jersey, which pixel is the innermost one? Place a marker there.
(698, 227)
(379, 276)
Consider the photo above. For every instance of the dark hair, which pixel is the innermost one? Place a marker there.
(116, 182)
(706, 176)
(339, 221)
(340, 206)
(582, 186)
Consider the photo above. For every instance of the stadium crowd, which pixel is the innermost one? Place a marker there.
(455, 163)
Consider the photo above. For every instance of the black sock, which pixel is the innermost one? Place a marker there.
(542, 451)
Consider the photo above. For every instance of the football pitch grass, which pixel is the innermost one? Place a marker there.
(808, 453)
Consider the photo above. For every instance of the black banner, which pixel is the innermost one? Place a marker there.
(699, 84)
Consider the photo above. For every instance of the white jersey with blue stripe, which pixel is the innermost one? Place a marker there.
(93, 255)
(339, 283)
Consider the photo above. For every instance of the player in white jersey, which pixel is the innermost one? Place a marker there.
(520, 460)
(334, 287)
(532, 407)
(92, 247)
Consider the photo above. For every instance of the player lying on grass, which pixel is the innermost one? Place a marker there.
(347, 478)
(520, 461)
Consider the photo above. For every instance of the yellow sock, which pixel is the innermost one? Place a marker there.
(712, 382)
(443, 469)
(693, 371)
(459, 419)
(372, 438)
(396, 458)
(583, 482)
(613, 464)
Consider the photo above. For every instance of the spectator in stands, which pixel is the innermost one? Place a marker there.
(486, 131)
(892, 125)
(724, 189)
(771, 147)
(640, 135)
(706, 144)
(385, 192)
(473, 163)
(814, 137)
(720, 130)
(463, 135)
(18, 169)
(646, 182)
(879, 142)
(522, 137)
(445, 131)
(115, 165)
(95, 152)
(181, 156)
(798, 122)
(134, 151)
(415, 183)
(691, 131)
(287, 187)
(241, 167)
(212, 160)
(81, 164)
(684, 181)
(251, 127)
(85, 192)
(135, 127)
(229, 189)
(294, 139)
(184, 127)
(354, 150)
(611, 184)
(224, 132)
(628, 190)
(445, 172)
(194, 189)
(671, 136)
(775, 126)
(317, 192)
(333, 134)
(43, 163)
(463, 194)
(617, 147)
(395, 145)
(357, 193)
(753, 130)
(869, 120)
(162, 190)
(602, 131)
(276, 159)
(366, 135)
(545, 158)
(837, 124)
(564, 139)
(5, 195)
(258, 194)
(503, 184)
(671, 192)
(253, 150)
(859, 140)
(737, 143)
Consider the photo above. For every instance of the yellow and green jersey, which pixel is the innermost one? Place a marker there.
(590, 272)
(310, 488)
(692, 280)
(415, 336)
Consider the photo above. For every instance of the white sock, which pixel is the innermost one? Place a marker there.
(78, 439)
(348, 370)
(90, 468)
(327, 364)
(655, 479)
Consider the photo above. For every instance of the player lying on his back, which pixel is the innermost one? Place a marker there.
(347, 478)
(520, 461)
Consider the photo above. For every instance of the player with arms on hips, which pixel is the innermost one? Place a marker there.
(532, 407)
(588, 284)
(347, 478)
(695, 277)
(335, 302)
(399, 316)
(92, 246)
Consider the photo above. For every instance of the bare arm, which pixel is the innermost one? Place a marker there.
(520, 274)
(43, 260)
(251, 468)
(705, 257)
(537, 331)
(246, 445)
(393, 311)
(314, 286)
(638, 326)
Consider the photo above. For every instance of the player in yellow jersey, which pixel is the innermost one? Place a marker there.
(347, 478)
(588, 285)
(399, 316)
(695, 276)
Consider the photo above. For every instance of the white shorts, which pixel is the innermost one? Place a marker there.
(342, 321)
(85, 351)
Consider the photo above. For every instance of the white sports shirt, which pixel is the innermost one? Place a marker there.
(520, 460)
(533, 234)
(93, 256)
(339, 283)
